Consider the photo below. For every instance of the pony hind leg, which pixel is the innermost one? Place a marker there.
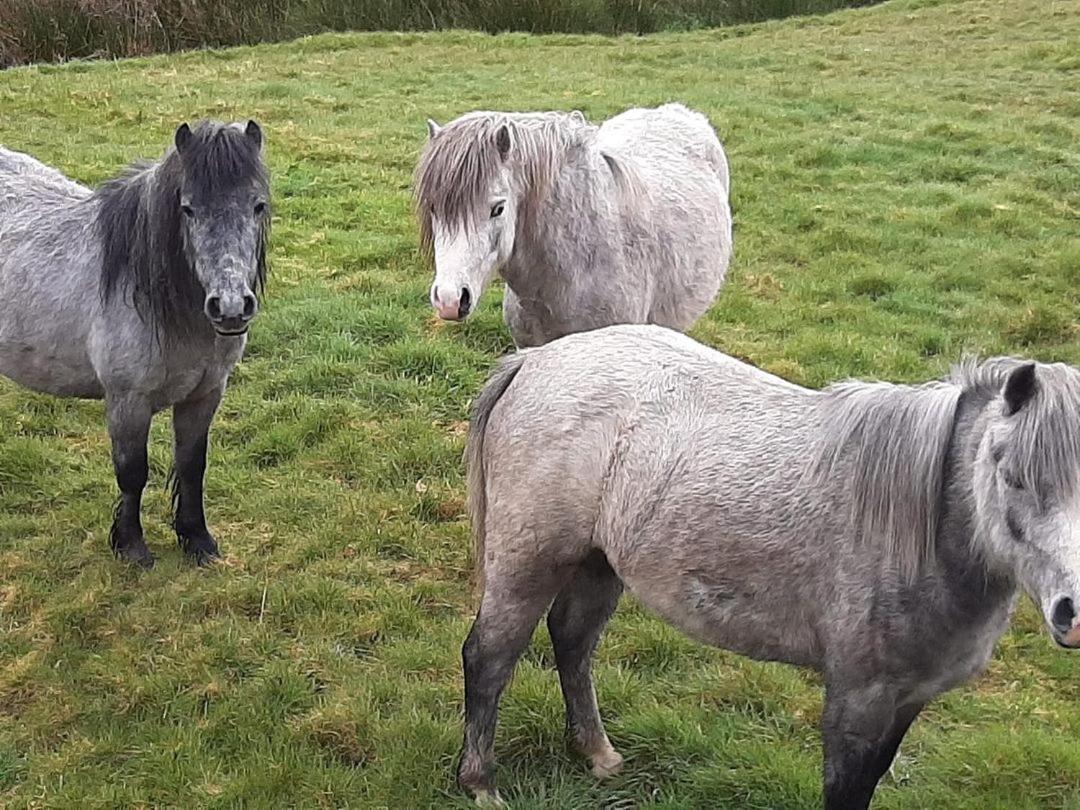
(191, 429)
(576, 620)
(509, 612)
(129, 428)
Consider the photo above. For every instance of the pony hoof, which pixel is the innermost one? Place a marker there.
(205, 556)
(138, 555)
(202, 549)
(606, 764)
(489, 798)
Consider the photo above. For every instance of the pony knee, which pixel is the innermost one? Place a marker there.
(132, 470)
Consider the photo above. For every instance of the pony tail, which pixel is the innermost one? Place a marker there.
(497, 385)
(720, 163)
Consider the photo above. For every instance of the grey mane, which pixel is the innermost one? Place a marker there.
(458, 165)
(139, 223)
(888, 445)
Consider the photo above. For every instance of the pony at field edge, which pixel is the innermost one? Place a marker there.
(590, 226)
(139, 293)
(876, 533)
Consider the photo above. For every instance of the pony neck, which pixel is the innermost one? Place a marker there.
(569, 232)
(958, 558)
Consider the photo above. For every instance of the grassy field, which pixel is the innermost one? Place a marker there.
(905, 183)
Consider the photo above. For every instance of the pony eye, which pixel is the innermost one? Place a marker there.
(497, 210)
(187, 211)
(260, 208)
(1011, 481)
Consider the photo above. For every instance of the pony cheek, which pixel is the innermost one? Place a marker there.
(504, 249)
(494, 265)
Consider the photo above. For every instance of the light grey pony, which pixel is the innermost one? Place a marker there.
(876, 533)
(590, 226)
(141, 294)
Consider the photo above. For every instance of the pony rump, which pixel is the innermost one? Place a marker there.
(885, 446)
(459, 163)
(139, 223)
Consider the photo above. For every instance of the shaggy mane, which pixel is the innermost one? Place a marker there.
(458, 165)
(888, 444)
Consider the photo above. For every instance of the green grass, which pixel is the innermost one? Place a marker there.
(905, 188)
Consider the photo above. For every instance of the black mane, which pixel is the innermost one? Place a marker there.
(139, 224)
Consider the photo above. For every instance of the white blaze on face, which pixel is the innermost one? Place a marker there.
(464, 264)
(1060, 596)
(1045, 547)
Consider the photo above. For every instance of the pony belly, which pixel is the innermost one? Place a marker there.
(733, 617)
(60, 373)
(704, 549)
(763, 635)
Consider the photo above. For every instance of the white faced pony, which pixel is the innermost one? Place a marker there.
(590, 226)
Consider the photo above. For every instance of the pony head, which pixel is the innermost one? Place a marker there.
(1027, 490)
(479, 185)
(224, 208)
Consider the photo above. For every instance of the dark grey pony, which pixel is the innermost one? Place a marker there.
(141, 294)
(876, 533)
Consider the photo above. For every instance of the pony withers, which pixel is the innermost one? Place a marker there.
(876, 533)
(589, 226)
(141, 294)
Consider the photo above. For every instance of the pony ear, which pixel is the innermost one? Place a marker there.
(577, 116)
(183, 137)
(433, 129)
(1019, 388)
(502, 141)
(254, 131)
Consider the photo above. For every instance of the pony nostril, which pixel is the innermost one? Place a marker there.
(465, 302)
(213, 307)
(251, 306)
(1063, 615)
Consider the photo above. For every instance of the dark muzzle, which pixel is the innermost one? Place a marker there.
(230, 313)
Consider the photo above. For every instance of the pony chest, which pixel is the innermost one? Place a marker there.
(961, 656)
(190, 375)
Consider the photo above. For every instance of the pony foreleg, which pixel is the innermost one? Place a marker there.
(129, 426)
(191, 429)
(862, 729)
